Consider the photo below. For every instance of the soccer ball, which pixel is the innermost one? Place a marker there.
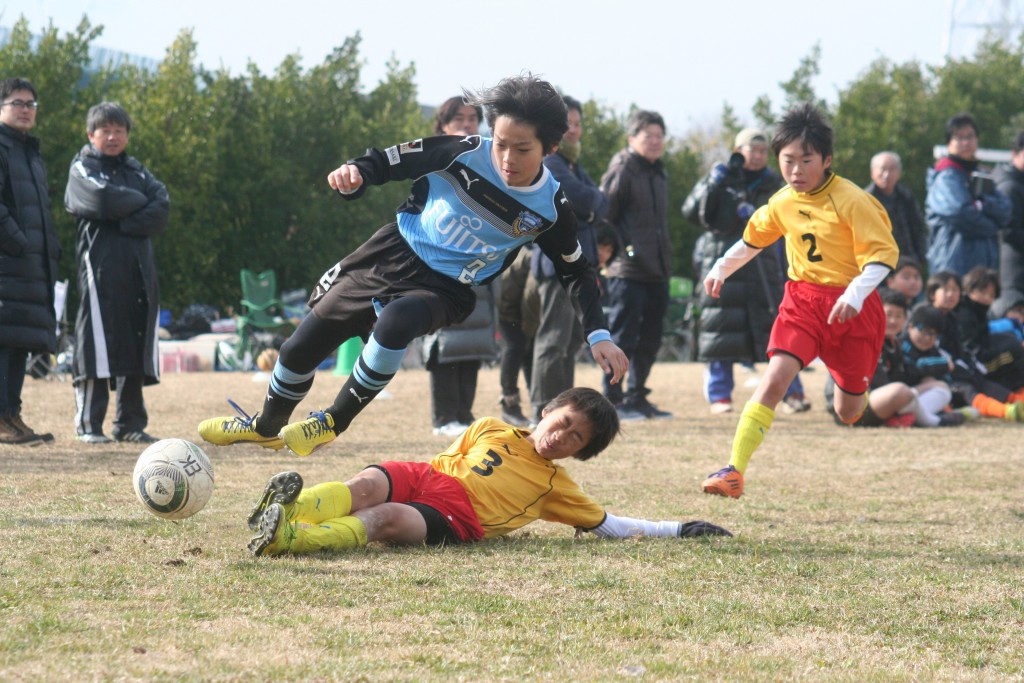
(266, 360)
(173, 478)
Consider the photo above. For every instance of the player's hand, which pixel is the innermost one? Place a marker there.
(841, 312)
(701, 528)
(713, 286)
(346, 179)
(611, 359)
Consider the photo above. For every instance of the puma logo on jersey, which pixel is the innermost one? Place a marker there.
(469, 181)
(804, 213)
(468, 139)
(361, 399)
(564, 200)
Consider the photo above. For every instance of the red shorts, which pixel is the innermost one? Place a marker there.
(849, 350)
(418, 482)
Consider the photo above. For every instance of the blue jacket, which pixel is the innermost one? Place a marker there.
(588, 203)
(963, 234)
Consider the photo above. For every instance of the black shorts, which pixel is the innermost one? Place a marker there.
(385, 268)
(868, 419)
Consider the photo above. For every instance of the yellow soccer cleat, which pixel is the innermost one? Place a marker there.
(225, 431)
(316, 431)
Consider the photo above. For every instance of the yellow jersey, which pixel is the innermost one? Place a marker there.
(510, 485)
(831, 233)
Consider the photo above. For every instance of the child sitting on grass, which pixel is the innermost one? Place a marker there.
(908, 279)
(968, 382)
(898, 398)
(494, 479)
(929, 366)
(1000, 353)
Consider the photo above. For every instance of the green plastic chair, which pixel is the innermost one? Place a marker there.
(261, 311)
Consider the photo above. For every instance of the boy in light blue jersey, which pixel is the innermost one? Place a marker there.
(474, 204)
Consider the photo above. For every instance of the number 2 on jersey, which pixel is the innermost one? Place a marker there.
(812, 250)
(469, 271)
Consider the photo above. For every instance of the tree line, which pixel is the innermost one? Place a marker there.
(245, 156)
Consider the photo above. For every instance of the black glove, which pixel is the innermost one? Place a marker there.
(700, 528)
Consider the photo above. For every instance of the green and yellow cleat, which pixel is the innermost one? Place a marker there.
(274, 534)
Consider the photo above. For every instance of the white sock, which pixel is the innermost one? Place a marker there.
(929, 402)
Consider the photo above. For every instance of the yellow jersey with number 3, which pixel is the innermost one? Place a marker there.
(831, 233)
(510, 485)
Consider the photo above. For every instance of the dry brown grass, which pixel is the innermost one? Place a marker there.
(859, 555)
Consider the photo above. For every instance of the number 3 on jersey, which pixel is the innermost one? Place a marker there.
(468, 274)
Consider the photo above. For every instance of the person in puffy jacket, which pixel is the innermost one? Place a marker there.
(29, 252)
(964, 210)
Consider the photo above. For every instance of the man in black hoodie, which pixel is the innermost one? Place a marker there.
(1010, 181)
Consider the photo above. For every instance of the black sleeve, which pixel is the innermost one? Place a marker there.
(410, 159)
(561, 245)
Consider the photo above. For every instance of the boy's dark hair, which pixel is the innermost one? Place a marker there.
(938, 280)
(642, 118)
(980, 277)
(109, 113)
(958, 121)
(447, 111)
(895, 298)
(598, 410)
(525, 99)
(572, 103)
(605, 233)
(927, 317)
(11, 85)
(1018, 142)
(807, 125)
(908, 262)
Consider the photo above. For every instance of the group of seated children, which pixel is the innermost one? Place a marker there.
(951, 358)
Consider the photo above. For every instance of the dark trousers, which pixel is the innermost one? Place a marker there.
(516, 355)
(559, 335)
(92, 396)
(637, 320)
(12, 380)
(452, 391)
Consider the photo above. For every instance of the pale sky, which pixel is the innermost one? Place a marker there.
(683, 58)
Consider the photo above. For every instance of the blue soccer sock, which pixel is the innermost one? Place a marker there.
(372, 372)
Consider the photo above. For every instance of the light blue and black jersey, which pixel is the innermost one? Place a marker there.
(466, 223)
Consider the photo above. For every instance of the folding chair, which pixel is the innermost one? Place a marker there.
(261, 318)
(681, 316)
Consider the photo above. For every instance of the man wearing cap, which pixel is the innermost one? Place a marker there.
(734, 328)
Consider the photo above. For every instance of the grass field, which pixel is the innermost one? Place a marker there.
(859, 555)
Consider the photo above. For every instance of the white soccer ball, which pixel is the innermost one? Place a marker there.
(173, 478)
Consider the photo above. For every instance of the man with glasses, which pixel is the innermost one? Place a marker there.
(29, 251)
(964, 210)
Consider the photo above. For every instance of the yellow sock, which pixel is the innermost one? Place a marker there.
(753, 425)
(330, 500)
(341, 533)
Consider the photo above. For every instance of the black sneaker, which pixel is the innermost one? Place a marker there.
(512, 411)
(649, 410)
(953, 419)
(135, 437)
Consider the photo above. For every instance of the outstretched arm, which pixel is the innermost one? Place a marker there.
(624, 527)
(732, 260)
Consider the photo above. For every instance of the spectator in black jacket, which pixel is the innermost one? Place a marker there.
(908, 226)
(29, 251)
(119, 207)
(637, 189)
(1010, 181)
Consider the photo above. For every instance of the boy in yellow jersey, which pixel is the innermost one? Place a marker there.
(495, 478)
(840, 246)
